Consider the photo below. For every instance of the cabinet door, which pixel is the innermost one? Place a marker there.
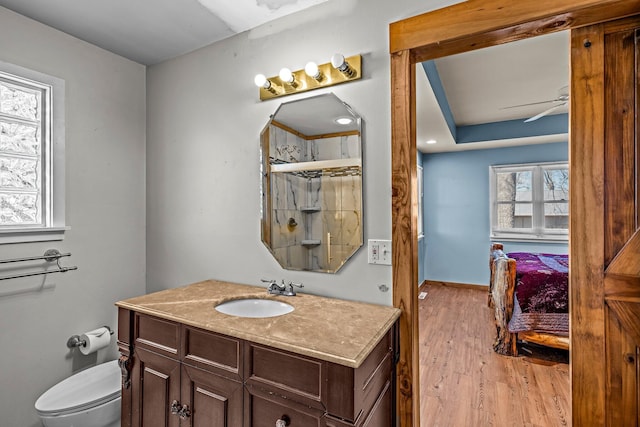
(264, 408)
(155, 384)
(213, 401)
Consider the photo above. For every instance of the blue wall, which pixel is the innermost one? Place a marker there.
(456, 211)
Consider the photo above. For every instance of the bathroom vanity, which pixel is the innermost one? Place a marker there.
(327, 363)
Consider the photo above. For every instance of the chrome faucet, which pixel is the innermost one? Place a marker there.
(287, 290)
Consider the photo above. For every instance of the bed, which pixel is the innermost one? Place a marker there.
(529, 295)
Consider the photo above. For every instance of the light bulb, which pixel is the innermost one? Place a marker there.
(337, 60)
(261, 81)
(341, 64)
(312, 70)
(286, 75)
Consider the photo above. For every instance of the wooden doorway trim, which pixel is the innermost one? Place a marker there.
(459, 28)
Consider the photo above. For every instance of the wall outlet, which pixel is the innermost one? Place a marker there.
(379, 252)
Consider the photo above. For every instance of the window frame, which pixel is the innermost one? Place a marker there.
(420, 201)
(537, 232)
(52, 157)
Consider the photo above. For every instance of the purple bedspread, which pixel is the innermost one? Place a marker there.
(542, 282)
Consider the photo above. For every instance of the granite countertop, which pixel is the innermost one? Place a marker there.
(333, 330)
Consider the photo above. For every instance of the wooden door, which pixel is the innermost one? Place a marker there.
(474, 24)
(605, 234)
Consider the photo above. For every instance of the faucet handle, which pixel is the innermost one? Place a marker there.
(291, 285)
(268, 281)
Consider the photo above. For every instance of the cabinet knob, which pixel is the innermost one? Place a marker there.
(184, 412)
(284, 421)
(175, 407)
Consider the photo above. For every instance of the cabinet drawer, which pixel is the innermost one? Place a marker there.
(294, 376)
(212, 352)
(353, 392)
(263, 409)
(382, 413)
(158, 335)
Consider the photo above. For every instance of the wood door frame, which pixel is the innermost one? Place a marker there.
(467, 26)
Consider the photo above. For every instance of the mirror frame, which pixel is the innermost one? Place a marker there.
(471, 25)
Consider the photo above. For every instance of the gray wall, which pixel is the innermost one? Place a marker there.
(105, 204)
(456, 210)
(204, 120)
(198, 175)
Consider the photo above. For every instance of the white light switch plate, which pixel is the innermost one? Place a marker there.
(379, 252)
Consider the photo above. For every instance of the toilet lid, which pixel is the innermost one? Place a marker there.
(86, 389)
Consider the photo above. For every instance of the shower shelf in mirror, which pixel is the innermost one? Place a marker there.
(333, 172)
(310, 209)
(352, 165)
(310, 243)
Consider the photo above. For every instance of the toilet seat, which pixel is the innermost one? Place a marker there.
(83, 390)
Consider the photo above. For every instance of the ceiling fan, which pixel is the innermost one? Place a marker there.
(560, 101)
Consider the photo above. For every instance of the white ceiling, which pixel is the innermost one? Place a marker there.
(317, 115)
(480, 84)
(151, 31)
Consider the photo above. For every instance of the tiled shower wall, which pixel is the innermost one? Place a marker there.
(339, 198)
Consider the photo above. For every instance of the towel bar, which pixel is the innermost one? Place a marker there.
(50, 255)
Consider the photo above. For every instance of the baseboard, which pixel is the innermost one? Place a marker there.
(483, 288)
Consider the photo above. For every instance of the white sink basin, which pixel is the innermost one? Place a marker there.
(254, 307)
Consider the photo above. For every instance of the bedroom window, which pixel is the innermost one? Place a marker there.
(31, 144)
(420, 202)
(530, 202)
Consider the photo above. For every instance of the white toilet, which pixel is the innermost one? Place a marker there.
(90, 398)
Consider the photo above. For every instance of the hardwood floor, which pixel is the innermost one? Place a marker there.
(464, 383)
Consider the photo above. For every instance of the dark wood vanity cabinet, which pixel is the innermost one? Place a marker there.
(174, 380)
(181, 376)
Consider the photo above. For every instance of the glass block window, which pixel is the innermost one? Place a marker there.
(32, 155)
(24, 147)
(530, 201)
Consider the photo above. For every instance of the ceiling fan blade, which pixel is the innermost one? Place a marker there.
(531, 103)
(545, 112)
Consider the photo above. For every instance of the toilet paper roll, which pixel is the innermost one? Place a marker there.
(95, 340)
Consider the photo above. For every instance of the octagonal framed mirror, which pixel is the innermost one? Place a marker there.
(311, 168)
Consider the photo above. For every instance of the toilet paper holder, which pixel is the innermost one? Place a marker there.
(75, 341)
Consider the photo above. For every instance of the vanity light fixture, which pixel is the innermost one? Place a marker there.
(313, 76)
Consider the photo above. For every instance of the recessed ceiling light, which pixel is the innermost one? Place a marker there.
(344, 120)
(431, 141)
